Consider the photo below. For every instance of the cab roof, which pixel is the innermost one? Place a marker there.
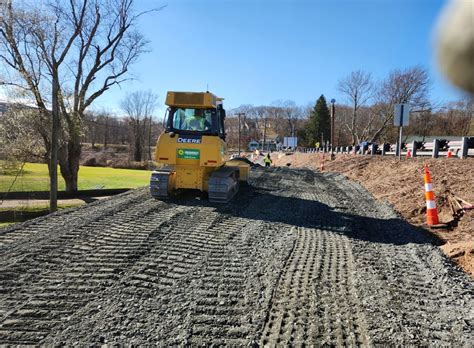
(201, 100)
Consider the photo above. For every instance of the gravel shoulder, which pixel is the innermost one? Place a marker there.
(298, 257)
(400, 184)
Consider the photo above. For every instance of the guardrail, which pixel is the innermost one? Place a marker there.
(437, 148)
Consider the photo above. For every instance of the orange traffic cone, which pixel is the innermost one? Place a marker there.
(408, 153)
(450, 153)
(431, 212)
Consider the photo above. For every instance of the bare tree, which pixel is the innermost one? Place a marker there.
(468, 111)
(410, 86)
(248, 126)
(358, 89)
(276, 119)
(260, 114)
(139, 107)
(66, 54)
(421, 123)
(454, 118)
(291, 113)
(19, 137)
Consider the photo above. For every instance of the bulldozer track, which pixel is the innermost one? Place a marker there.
(297, 258)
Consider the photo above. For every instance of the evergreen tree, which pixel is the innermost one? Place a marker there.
(319, 123)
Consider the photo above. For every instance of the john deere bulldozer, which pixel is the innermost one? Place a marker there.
(192, 149)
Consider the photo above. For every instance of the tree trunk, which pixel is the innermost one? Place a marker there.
(137, 151)
(379, 132)
(69, 162)
(137, 141)
(149, 140)
(106, 132)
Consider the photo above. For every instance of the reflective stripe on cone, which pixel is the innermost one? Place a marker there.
(431, 211)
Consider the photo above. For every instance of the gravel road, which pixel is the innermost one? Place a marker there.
(297, 257)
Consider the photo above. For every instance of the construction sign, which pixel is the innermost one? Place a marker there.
(188, 153)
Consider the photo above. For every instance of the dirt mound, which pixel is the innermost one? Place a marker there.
(401, 184)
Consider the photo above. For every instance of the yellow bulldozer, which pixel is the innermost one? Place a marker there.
(193, 151)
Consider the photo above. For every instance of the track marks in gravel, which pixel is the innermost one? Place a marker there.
(20, 236)
(302, 258)
(205, 282)
(416, 295)
(64, 275)
(315, 300)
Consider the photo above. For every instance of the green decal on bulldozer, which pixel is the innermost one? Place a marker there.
(188, 153)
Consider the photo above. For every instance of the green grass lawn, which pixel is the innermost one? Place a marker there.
(35, 178)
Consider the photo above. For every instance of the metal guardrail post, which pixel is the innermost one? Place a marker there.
(372, 149)
(413, 149)
(397, 150)
(435, 148)
(464, 147)
(383, 149)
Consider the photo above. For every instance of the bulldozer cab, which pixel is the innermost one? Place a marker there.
(189, 115)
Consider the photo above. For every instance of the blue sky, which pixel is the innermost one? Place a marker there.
(256, 52)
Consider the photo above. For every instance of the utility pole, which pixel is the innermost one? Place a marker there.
(53, 183)
(333, 111)
(264, 133)
(240, 114)
(149, 137)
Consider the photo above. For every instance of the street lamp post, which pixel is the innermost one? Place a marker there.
(333, 111)
(239, 114)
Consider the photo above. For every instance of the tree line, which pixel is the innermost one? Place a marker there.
(365, 114)
(136, 128)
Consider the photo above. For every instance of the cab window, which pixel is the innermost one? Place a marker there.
(188, 119)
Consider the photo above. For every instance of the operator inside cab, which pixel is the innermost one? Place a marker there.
(198, 120)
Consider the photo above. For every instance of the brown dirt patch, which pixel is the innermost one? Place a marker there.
(401, 184)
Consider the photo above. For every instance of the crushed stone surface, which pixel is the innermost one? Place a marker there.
(298, 257)
(400, 184)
